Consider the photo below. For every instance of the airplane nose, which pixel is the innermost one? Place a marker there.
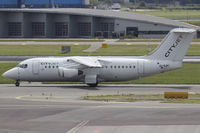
(12, 74)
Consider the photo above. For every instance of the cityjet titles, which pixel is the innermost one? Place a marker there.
(49, 63)
(174, 45)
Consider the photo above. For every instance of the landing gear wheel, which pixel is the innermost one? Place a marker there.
(93, 85)
(17, 83)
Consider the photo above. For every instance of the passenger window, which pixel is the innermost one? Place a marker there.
(45, 66)
(56, 66)
(49, 66)
(122, 66)
(126, 66)
(130, 67)
(110, 66)
(118, 66)
(53, 66)
(114, 66)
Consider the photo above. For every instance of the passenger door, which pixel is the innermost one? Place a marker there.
(35, 67)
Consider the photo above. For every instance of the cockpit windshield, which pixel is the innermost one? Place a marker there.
(22, 65)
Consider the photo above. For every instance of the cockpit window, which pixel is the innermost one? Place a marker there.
(22, 65)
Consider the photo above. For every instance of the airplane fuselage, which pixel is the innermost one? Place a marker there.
(118, 69)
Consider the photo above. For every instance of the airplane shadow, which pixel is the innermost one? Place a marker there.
(82, 87)
(79, 87)
(85, 87)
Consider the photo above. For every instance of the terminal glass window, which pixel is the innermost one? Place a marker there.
(14, 28)
(85, 29)
(153, 32)
(38, 29)
(106, 27)
(61, 29)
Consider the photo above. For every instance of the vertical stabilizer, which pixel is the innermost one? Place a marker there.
(174, 46)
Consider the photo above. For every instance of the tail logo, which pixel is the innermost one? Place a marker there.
(173, 46)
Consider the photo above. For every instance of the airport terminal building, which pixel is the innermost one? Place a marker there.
(44, 3)
(82, 23)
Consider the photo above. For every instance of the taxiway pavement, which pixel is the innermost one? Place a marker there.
(39, 108)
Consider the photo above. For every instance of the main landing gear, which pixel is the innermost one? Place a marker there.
(17, 83)
(93, 85)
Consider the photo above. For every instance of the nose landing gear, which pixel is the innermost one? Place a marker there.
(17, 83)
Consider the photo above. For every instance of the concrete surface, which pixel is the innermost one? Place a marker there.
(38, 108)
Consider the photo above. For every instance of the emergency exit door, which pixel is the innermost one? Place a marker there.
(140, 68)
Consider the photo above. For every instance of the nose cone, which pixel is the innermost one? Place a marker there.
(12, 74)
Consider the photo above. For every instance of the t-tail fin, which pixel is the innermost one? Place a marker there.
(174, 46)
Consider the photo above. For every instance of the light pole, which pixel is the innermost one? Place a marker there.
(52, 2)
(135, 4)
(19, 3)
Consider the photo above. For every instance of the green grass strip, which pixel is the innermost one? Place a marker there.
(189, 74)
(197, 23)
(78, 50)
(4, 67)
(148, 40)
(193, 98)
(173, 14)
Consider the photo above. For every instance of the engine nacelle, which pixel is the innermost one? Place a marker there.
(67, 73)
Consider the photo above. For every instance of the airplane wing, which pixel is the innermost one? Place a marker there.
(89, 62)
(83, 62)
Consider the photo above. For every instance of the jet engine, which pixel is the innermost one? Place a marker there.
(68, 73)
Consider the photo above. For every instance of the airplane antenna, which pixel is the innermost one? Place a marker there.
(53, 3)
(148, 47)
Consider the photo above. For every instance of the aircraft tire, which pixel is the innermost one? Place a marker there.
(17, 84)
(93, 85)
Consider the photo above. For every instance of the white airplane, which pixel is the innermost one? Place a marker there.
(92, 70)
